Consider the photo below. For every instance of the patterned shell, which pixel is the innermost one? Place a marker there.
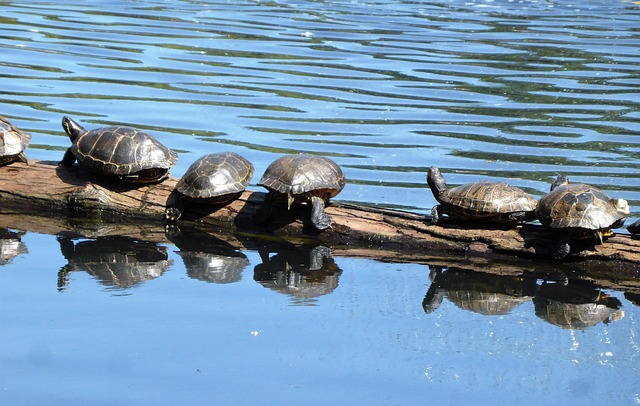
(489, 197)
(303, 173)
(119, 150)
(12, 140)
(216, 175)
(579, 206)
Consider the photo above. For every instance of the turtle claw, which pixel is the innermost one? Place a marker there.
(322, 223)
(562, 251)
(172, 214)
(174, 208)
(563, 247)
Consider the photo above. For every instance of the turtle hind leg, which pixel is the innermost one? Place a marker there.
(68, 158)
(263, 214)
(319, 218)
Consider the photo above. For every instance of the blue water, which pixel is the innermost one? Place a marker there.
(507, 90)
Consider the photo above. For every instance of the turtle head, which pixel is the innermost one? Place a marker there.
(72, 128)
(622, 206)
(436, 182)
(560, 180)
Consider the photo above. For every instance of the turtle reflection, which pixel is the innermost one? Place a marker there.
(302, 272)
(477, 292)
(11, 245)
(575, 306)
(114, 261)
(207, 258)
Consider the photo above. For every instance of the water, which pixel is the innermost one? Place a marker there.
(507, 90)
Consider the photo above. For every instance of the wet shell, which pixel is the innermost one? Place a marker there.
(216, 175)
(474, 199)
(304, 173)
(12, 142)
(579, 206)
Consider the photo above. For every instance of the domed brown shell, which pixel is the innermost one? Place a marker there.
(216, 175)
(304, 173)
(578, 205)
(489, 197)
(126, 152)
(12, 142)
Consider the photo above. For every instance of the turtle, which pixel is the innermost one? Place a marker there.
(579, 211)
(216, 178)
(12, 143)
(304, 178)
(492, 202)
(127, 153)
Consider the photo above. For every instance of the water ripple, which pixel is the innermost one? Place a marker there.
(516, 91)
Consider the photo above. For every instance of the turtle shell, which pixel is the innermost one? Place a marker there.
(580, 206)
(304, 174)
(480, 199)
(12, 142)
(216, 175)
(125, 152)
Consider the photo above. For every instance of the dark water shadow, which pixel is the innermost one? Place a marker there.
(78, 176)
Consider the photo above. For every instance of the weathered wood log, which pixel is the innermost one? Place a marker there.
(193, 239)
(45, 187)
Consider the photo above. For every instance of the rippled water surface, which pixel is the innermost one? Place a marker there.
(509, 90)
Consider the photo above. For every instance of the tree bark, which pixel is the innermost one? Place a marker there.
(46, 189)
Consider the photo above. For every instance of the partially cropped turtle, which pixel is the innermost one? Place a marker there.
(579, 211)
(493, 202)
(12, 143)
(126, 153)
(214, 178)
(304, 178)
(634, 228)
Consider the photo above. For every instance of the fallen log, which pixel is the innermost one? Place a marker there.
(44, 187)
(199, 243)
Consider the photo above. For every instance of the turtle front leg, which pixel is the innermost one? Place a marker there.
(436, 213)
(263, 213)
(22, 158)
(319, 218)
(68, 158)
(174, 207)
(564, 245)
